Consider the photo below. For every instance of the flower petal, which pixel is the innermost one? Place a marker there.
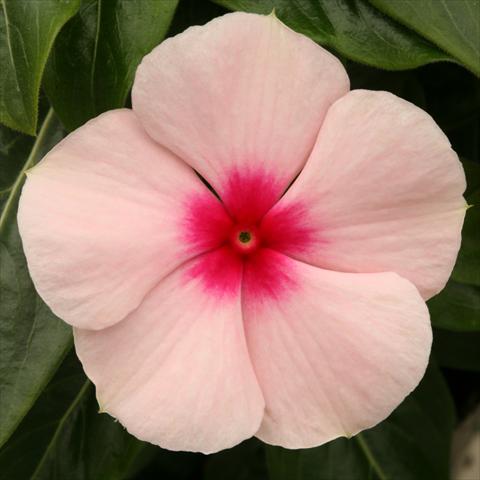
(384, 193)
(337, 355)
(176, 372)
(242, 95)
(98, 215)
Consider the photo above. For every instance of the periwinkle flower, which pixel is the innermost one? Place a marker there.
(290, 303)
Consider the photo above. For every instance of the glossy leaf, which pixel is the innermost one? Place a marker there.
(456, 307)
(14, 149)
(353, 28)
(33, 340)
(453, 25)
(459, 350)
(66, 438)
(93, 62)
(27, 32)
(412, 444)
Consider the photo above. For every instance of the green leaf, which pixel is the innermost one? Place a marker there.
(27, 31)
(64, 436)
(456, 307)
(453, 25)
(458, 350)
(33, 340)
(14, 148)
(93, 62)
(412, 444)
(353, 28)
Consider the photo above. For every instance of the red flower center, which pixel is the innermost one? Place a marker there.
(246, 237)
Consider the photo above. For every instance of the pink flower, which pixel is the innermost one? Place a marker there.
(290, 311)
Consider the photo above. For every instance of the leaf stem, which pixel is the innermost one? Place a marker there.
(29, 163)
(371, 459)
(59, 428)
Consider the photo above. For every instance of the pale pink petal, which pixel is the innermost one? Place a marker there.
(334, 353)
(102, 219)
(382, 191)
(176, 372)
(241, 99)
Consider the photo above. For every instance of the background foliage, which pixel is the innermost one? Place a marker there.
(65, 61)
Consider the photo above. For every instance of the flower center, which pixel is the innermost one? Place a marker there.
(244, 239)
(245, 236)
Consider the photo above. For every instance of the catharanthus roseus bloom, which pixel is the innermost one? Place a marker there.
(290, 305)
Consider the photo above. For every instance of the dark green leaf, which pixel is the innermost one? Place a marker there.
(93, 62)
(27, 31)
(64, 436)
(33, 340)
(14, 148)
(353, 28)
(412, 444)
(456, 307)
(459, 350)
(453, 25)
